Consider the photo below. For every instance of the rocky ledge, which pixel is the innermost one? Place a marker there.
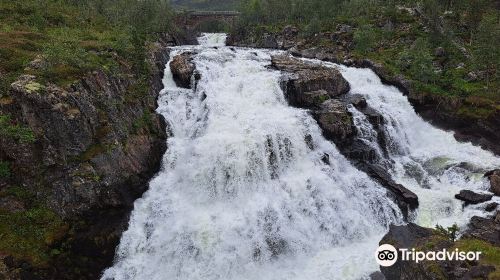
(82, 154)
(322, 90)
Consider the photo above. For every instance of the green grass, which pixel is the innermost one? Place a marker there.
(4, 169)
(32, 233)
(15, 131)
(490, 254)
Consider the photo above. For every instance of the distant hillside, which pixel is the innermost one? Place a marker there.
(206, 4)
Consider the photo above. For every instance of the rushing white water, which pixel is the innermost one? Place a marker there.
(425, 159)
(242, 194)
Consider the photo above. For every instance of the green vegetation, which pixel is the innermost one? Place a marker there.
(4, 169)
(490, 255)
(30, 232)
(15, 131)
(71, 38)
(214, 5)
(447, 49)
(449, 232)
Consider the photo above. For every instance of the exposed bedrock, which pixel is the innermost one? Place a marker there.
(183, 69)
(96, 145)
(322, 90)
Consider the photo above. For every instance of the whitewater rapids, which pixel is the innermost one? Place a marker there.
(244, 192)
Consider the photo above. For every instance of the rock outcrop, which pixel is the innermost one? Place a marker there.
(494, 178)
(305, 78)
(90, 150)
(471, 197)
(322, 90)
(182, 69)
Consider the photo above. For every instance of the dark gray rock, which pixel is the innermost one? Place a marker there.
(486, 229)
(269, 42)
(335, 121)
(491, 207)
(403, 194)
(182, 69)
(494, 178)
(471, 197)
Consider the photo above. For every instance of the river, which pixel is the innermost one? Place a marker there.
(243, 196)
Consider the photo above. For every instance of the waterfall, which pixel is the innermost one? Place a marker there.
(427, 160)
(244, 192)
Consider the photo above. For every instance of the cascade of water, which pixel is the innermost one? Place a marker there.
(427, 160)
(244, 193)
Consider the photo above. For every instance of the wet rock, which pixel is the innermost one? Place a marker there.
(335, 121)
(494, 178)
(358, 101)
(491, 207)
(377, 276)
(182, 69)
(471, 197)
(269, 42)
(486, 229)
(310, 100)
(403, 194)
(305, 77)
(358, 150)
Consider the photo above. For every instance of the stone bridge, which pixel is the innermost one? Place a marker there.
(192, 19)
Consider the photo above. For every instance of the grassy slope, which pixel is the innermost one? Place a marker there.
(406, 48)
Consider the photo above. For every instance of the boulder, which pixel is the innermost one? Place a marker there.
(182, 69)
(494, 178)
(306, 77)
(310, 99)
(335, 121)
(471, 197)
(486, 229)
(269, 42)
(358, 101)
(290, 32)
(403, 194)
(491, 207)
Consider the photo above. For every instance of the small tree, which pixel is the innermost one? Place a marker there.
(449, 232)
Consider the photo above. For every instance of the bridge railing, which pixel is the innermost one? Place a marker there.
(213, 13)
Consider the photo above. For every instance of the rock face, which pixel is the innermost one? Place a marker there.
(96, 145)
(494, 178)
(471, 197)
(182, 69)
(306, 77)
(322, 90)
(335, 121)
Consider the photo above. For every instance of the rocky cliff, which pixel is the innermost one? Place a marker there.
(82, 153)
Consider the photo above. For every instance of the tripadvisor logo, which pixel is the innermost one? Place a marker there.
(387, 255)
